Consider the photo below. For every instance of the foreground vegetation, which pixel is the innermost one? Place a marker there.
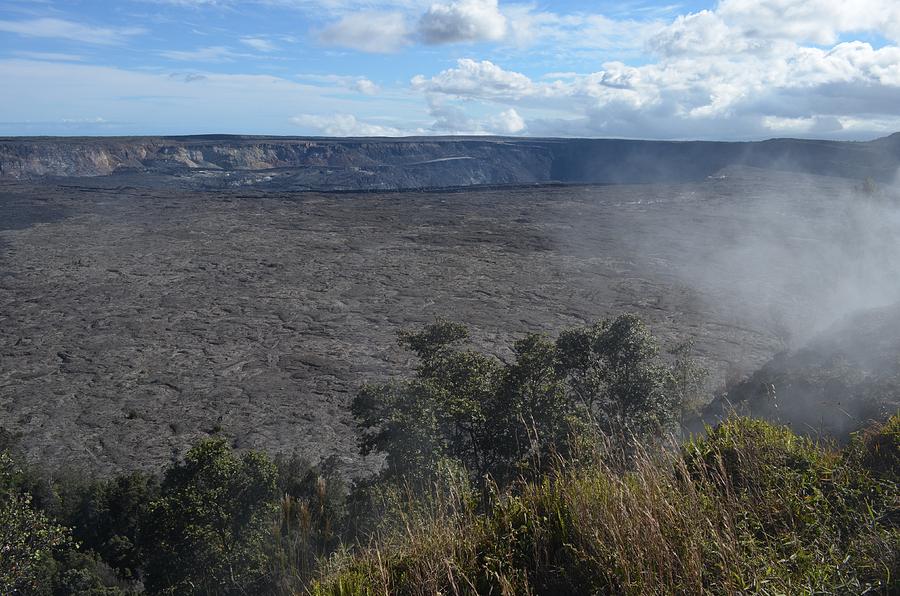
(558, 472)
(749, 508)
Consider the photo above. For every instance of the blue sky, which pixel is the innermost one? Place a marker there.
(733, 69)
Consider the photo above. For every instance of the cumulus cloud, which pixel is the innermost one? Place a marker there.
(368, 32)
(774, 26)
(364, 86)
(701, 34)
(344, 125)
(453, 119)
(805, 90)
(749, 68)
(62, 29)
(743, 69)
(472, 21)
(507, 122)
(385, 32)
(471, 78)
(462, 21)
(812, 21)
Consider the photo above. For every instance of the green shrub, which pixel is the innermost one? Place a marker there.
(29, 540)
(206, 532)
(748, 508)
(507, 419)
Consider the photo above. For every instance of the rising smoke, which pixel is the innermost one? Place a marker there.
(803, 251)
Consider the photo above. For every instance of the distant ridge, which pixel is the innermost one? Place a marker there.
(319, 163)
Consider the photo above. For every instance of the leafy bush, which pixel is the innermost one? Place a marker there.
(28, 541)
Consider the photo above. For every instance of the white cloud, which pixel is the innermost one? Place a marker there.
(453, 119)
(803, 89)
(801, 126)
(368, 32)
(568, 33)
(344, 125)
(207, 54)
(364, 86)
(507, 122)
(741, 70)
(471, 78)
(470, 21)
(462, 21)
(746, 68)
(260, 44)
(62, 29)
(698, 34)
(358, 84)
(147, 102)
(813, 21)
(50, 56)
(767, 25)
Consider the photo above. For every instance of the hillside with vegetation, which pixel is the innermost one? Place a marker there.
(560, 469)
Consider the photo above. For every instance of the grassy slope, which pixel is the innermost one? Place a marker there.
(749, 508)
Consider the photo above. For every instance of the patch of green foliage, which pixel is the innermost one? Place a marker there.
(28, 538)
(207, 529)
(502, 420)
(219, 522)
(547, 474)
(748, 508)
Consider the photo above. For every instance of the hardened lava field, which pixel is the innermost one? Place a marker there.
(136, 320)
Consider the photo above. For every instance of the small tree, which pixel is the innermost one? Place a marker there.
(501, 419)
(205, 533)
(686, 382)
(442, 413)
(107, 519)
(613, 371)
(535, 415)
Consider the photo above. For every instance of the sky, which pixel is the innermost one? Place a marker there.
(726, 70)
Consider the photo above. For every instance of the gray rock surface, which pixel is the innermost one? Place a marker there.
(135, 320)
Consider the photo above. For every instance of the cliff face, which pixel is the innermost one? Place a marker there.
(350, 165)
(372, 164)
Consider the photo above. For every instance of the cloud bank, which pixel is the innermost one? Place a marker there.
(741, 69)
(745, 70)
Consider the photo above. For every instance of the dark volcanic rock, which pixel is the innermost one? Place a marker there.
(135, 320)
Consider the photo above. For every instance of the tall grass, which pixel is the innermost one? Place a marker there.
(747, 508)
